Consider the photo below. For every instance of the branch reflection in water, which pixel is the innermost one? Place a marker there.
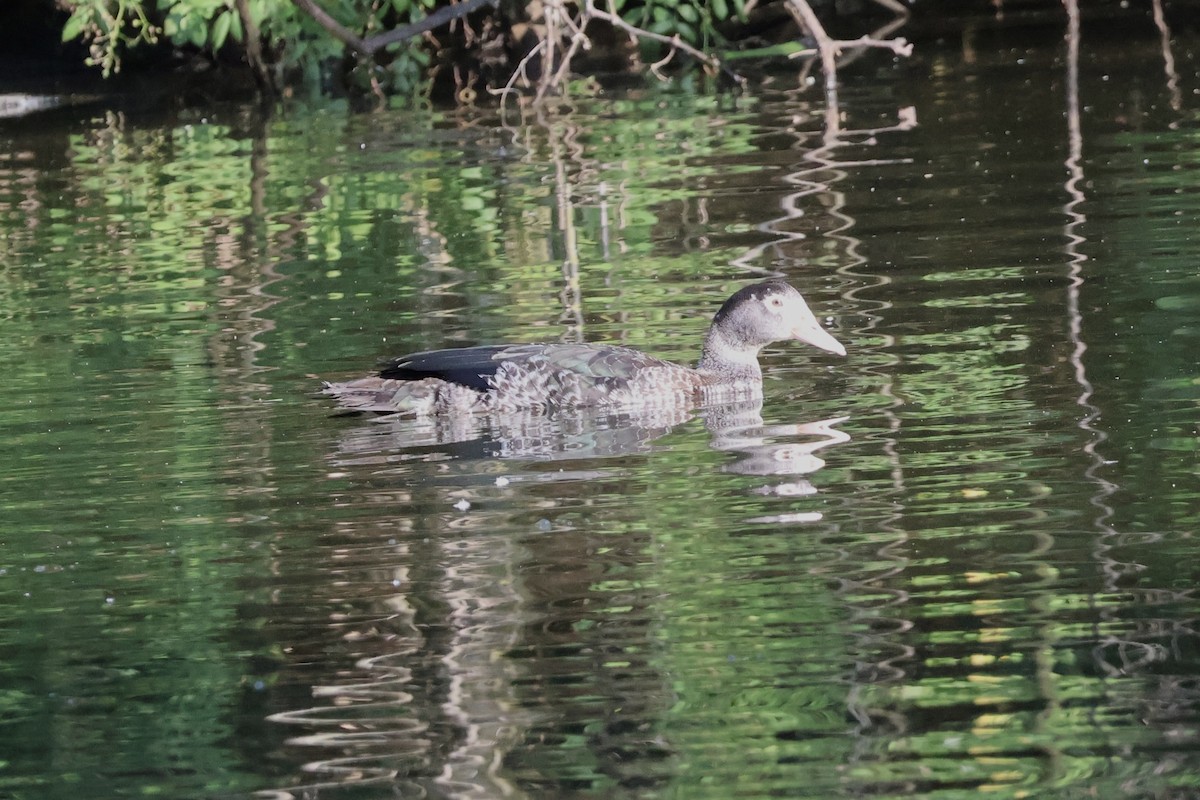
(448, 703)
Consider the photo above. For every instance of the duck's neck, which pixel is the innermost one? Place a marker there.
(728, 361)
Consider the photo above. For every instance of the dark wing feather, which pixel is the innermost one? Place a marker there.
(466, 366)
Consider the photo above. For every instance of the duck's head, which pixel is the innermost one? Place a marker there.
(771, 311)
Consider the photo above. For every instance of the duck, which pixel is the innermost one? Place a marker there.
(543, 377)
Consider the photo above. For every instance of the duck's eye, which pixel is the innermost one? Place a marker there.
(775, 302)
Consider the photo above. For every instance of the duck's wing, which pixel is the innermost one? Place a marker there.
(475, 366)
(466, 366)
(598, 362)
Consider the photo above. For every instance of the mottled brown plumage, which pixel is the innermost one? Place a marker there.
(531, 376)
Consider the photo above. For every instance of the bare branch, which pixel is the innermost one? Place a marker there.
(673, 41)
(826, 46)
(254, 55)
(895, 6)
(830, 48)
(518, 74)
(900, 46)
(335, 28)
(578, 40)
(657, 66)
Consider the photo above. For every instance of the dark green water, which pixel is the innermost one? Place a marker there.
(959, 562)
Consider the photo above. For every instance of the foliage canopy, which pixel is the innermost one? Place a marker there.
(294, 42)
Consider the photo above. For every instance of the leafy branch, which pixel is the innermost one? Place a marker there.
(106, 26)
(306, 39)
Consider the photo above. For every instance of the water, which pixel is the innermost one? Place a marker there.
(960, 560)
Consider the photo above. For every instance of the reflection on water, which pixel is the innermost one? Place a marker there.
(958, 563)
(585, 433)
(514, 594)
(559, 434)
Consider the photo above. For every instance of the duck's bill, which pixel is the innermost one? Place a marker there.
(817, 336)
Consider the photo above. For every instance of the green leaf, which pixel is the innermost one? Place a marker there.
(774, 51)
(220, 29)
(76, 23)
(105, 23)
(720, 10)
(207, 9)
(258, 11)
(172, 25)
(194, 30)
(235, 28)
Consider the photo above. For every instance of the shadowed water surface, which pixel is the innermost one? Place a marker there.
(960, 560)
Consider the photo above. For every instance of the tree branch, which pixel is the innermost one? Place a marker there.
(436, 19)
(825, 45)
(254, 48)
(372, 45)
(335, 28)
(830, 48)
(895, 6)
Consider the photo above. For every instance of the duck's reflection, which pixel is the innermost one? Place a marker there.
(782, 449)
(518, 434)
(509, 641)
(761, 449)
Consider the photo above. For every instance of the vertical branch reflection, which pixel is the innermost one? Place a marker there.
(1044, 654)
(1160, 21)
(1075, 219)
(872, 594)
(479, 586)
(243, 250)
(570, 296)
(881, 650)
(1130, 654)
(819, 179)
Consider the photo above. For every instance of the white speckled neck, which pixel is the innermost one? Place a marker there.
(727, 360)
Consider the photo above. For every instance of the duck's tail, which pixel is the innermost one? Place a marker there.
(375, 395)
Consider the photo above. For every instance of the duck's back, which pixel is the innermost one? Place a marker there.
(512, 377)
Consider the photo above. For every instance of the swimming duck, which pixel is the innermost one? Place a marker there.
(546, 376)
